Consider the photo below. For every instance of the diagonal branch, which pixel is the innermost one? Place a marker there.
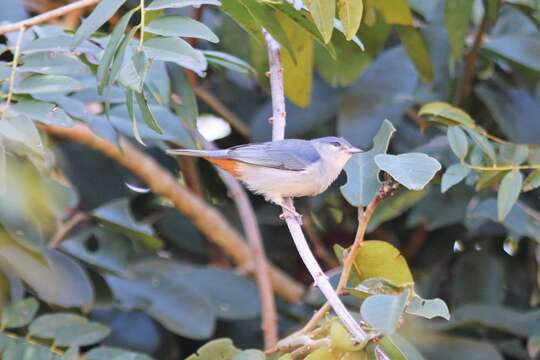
(278, 133)
(210, 222)
(49, 15)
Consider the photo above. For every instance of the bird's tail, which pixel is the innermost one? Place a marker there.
(197, 153)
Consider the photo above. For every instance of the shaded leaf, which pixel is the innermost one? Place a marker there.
(458, 141)
(183, 99)
(417, 51)
(513, 153)
(39, 84)
(446, 347)
(453, 175)
(183, 26)
(457, 14)
(508, 193)
(350, 13)
(177, 51)
(175, 4)
(46, 326)
(532, 181)
(19, 314)
(23, 130)
(428, 308)
(130, 100)
(379, 259)
(103, 11)
(42, 112)
(81, 334)
(412, 170)
(384, 311)
(216, 349)
(446, 114)
(362, 172)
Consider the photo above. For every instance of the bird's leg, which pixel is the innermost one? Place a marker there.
(290, 211)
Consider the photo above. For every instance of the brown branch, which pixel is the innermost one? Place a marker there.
(470, 65)
(66, 228)
(386, 190)
(222, 110)
(210, 222)
(191, 174)
(50, 15)
(293, 223)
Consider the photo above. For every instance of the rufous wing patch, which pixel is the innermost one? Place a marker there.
(228, 165)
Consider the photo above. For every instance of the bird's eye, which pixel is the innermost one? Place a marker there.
(336, 144)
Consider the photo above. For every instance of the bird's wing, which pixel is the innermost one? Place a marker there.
(291, 154)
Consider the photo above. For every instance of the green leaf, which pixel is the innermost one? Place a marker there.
(446, 114)
(183, 99)
(228, 61)
(298, 75)
(118, 216)
(458, 141)
(19, 314)
(81, 334)
(130, 100)
(216, 349)
(320, 354)
(323, 13)
(46, 326)
(508, 193)
(71, 354)
(513, 153)
(395, 11)
(379, 259)
(105, 352)
(147, 114)
(342, 339)
(483, 143)
(362, 172)
(350, 13)
(523, 50)
(532, 181)
(183, 26)
(106, 61)
(57, 44)
(383, 312)
(118, 61)
(22, 130)
(177, 51)
(176, 4)
(457, 14)
(101, 14)
(53, 63)
(390, 349)
(412, 170)
(375, 286)
(454, 175)
(134, 73)
(250, 355)
(417, 51)
(39, 84)
(428, 308)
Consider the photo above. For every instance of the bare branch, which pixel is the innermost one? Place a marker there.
(210, 222)
(278, 133)
(49, 15)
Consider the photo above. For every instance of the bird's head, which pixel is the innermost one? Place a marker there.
(335, 148)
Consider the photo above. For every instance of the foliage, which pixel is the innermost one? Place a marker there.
(420, 85)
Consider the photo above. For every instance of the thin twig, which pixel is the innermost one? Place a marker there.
(66, 228)
(222, 110)
(61, 11)
(208, 220)
(13, 74)
(278, 133)
(255, 241)
(470, 65)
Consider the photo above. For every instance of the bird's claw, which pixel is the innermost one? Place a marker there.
(291, 215)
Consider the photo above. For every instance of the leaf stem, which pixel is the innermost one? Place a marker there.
(143, 20)
(502, 168)
(13, 75)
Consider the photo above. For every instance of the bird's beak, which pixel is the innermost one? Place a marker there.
(355, 150)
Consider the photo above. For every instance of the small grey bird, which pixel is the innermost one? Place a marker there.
(284, 168)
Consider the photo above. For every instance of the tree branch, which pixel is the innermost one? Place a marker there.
(210, 222)
(278, 133)
(49, 15)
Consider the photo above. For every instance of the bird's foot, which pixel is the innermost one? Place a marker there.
(291, 214)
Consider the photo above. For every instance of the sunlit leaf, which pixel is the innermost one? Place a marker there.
(428, 308)
(446, 114)
(19, 314)
(532, 181)
(215, 349)
(458, 141)
(350, 13)
(417, 51)
(39, 84)
(457, 14)
(177, 51)
(395, 11)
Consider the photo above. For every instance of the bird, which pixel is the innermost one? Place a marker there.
(282, 169)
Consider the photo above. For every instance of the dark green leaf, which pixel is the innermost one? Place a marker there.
(216, 349)
(412, 170)
(183, 26)
(362, 172)
(508, 193)
(147, 114)
(19, 314)
(103, 11)
(130, 100)
(323, 13)
(52, 63)
(454, 175)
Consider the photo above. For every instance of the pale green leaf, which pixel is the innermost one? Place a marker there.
(71, 354)
(453, 175)
(39, 84)
(350, 13)
(457, 14)
(81, 334)
(417, 51)
(53, 63)
(19, 314)
(176, 4)
(412, 170)
(323, 13)
(42, 112)
(428, 308)
(147, 114)
(508, 193)
(532, 181)
(22, 130)
(250, 355)
(183, 26)
(483, 143)
(215, 349)
(384, 311)
(458, 141)
(446, 114)
(177, 51)
(105, 352)
(514, 154)
(362, 172)
(101, 14)
(228, 61)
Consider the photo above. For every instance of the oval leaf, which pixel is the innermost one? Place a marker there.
(323, 13)
(412, 170)
(183, 26)
(458, 141)
(453, 175)
(428, 308)
(508, 193)
(384, 311)
(350, 13)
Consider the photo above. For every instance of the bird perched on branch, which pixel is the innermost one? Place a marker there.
(284, 168)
